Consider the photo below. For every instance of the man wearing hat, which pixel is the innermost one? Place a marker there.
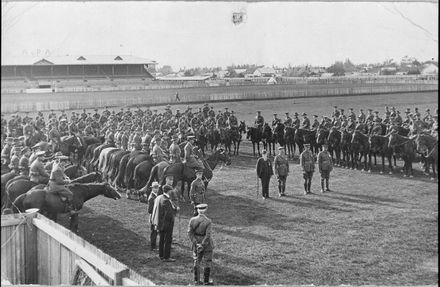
(305, 124)
(15, 159)
(275, 121)
(264, 172)
(151, 198)
(23, 164)
(397, 119)
(6, 150)
(191, 159)
(157, 152)
(427, 116)
(434, 127)
(199, 232)
(232, 120)
(197, 191)
(281, 170)
(259, 120)
(163, 216)
(315, 124)
(325, 166)
(211, 112)
(37, 172)
(335, 112)
(295, 121)
(307, 163)
(58, 180)
(175, 150)
(28, 130)
(288, 120)
(352, 115)
(63, 127)
(416, 112)
(361, 117)
(227, 114)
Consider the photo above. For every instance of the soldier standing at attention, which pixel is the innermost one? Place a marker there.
(325, 166)
(264, 172)
(199, 232)
(197, 191)
(307, 163)
(281, 168)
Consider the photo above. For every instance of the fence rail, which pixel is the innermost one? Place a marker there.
(36, 250)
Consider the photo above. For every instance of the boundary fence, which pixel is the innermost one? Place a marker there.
(36, 250)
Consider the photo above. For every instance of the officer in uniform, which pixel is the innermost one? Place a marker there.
(315, 124)
(37, 172)
(288, 120)
(397, 120)
(325, 166)
(157, 153)
(281, 170)
(335, 112)
(205, 110)
(57, 181)
(211, 112)
(197, 191)
(233, 122)
(370, 117)
(352, 115)
(275, 121)
(295, 121)
(199, 233)
(175, 151)
(305, 124)
(259, 120)
(226, 113)
(264, 172)
(362, 117)
(190, 158)
(307, 163)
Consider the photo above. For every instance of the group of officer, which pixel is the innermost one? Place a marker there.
(391, 117)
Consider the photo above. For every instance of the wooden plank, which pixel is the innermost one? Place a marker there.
(77, 248)
(31, 259)
(94, 276)
(18, 262)
(128, 282)
(10, 221)
(119, 275)
(42, 258)
(65, 266)
(13, 254)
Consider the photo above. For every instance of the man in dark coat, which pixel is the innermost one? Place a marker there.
(307, 163)
(163, 216)
(151, 199)
(264, 172)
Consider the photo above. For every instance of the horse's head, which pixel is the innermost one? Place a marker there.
(224, 157)
(321, 136)
(110, 192)
(422, 143)
(242, 127)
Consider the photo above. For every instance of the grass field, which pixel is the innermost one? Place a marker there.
(372, 229)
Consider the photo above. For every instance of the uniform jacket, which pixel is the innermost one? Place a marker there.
(307, 161)
(197, 191)
(200, 231)
(158, 153)
(305, 123)
(175, 153)
(57, 178)
(264, 168)
(324, 161)
(281, 166)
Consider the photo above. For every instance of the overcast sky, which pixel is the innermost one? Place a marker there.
(185, 34)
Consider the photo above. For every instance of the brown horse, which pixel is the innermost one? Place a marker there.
(427, 145)
(405, 147)
(50, 204)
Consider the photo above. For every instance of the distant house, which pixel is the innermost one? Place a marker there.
(222, 74)
(264, 72)
(240, 72)
(388, 70)
(272, 81)
(326, 75)
(429, 69)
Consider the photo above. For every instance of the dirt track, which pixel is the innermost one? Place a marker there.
(374, 229)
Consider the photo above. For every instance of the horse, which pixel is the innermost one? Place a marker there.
(182, 173)
(236, 139)
(226, 139)
(69, 145)
(427, 145)
(379, 145)
(36, 137)
(113, 165)
(21, 186)
(242, 128)
(51, 204)
(346, 148)
(360, 146)
(213, 138)
(268, 139)
(142, 173)
(334, 145)
(201, 138)
(303, 136)
(254, 134)
(131, 165)
(405, 147)
(289, 141)
(403, 131)
(322, 138)
(278, 134)
(75, 171)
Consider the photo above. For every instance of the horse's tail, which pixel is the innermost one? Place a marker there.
(153, 176)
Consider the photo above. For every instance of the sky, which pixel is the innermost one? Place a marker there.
(202, 34)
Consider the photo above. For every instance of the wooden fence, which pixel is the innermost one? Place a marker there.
(36, 250)
(76, 101)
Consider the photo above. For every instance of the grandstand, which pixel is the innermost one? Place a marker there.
(57, 72)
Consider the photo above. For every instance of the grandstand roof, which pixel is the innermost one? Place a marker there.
(76, 60)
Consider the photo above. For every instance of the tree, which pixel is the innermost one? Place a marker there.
(165, 70)
(337, 69)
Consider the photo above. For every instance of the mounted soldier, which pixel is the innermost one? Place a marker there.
(362, 117)
(305, 124)
(37, 171)
(275, 121)
(315, 124)
(191, 159)
(295, 121)
(157, 152)
(352, 115)
(175, 151)
(232, 120)
(288, 120)
(259, 121)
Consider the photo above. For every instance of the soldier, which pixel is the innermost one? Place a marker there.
(57, 181)
(307, 163)
(96, 115)
(281, 170)
(295, 121)
(427, 116)
(393, 112)
(335, 112)
(199, 232)
(73, 129)
(362, 117)
(341, 113)
(23, 164)
(227, 114)
(264, 172)
(197, 191)
(288, 121)
(351, 125)
(434, 127)
(52, 114)
(417, 125)
(387, 111)
(221, 123)
(275, 121)
(233, 122)
(305, 124)
(352, 115)
(63, 127)
(6, 150)
(151, 198)
(190, 157)
(175, 150)
(157, 152)
(370, 117)
(15, 159)
(259, 120)
(37, 172)
(205, 110)
(28, 130)
(315, 124)
(325, 166)
(376, 117)
(219, 115)
(211, 112)
(397, 120)
(416, 112)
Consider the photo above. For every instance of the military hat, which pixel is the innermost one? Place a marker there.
(303, 114)
(361, 110)
(275, 114)
(407, 112)
(287, 113)
(232, 112)
(296, 114)
(40, 153)
(206, 104)
(189, 108)
(376, 112)
(307, 145)
(370, 110)
(428, 110)
(350, 109)
(258, 111)
(416, 108)
(393, 108)
(167, 188)
(335, 107)
(342, 110)
(201, 206)
(263, 151)
(155, 184)
(315, 116)
(226, 108)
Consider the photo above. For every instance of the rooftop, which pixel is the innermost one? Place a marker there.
(76, 60)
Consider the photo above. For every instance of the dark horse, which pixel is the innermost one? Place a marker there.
(182, 173)
(346, 148)
(405, 147)
(427, 145)
(236, 138)
(289, 141)
(303, 136)
(379, 145)
(360, 148)
(268, 139)
(255, 136)
(213, 138)
(334, 145)
(278, 134)
(322, 138)
(51, 205)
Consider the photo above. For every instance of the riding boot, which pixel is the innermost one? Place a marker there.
(206, 273)
(305, 187)
(326, 185)
(322, 185)
(308, 185)
(280, 189)
(196, 275)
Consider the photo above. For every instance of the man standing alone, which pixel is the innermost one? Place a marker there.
(281, 167)
(307, 162)
(325, 167)
(264, 172)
